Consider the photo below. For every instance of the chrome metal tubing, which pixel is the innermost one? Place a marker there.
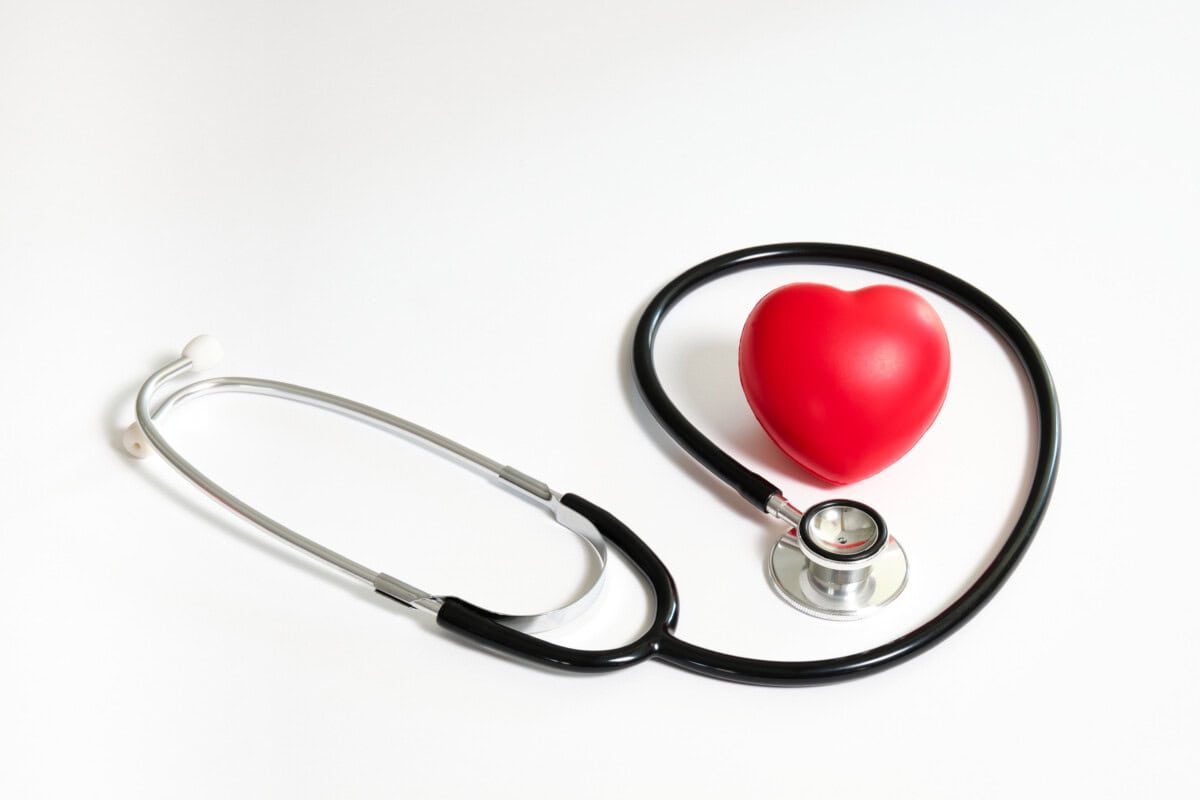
(147, 419)
(148, 416)
(779, 507)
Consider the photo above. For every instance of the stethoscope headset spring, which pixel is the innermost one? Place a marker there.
(512, 634)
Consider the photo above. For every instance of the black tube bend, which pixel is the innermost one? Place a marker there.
(758, 491)
(480, 624)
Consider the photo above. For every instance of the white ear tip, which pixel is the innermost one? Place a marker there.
(204, 351)
(135, 441)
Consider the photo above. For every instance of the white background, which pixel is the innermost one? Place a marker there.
(456, 211)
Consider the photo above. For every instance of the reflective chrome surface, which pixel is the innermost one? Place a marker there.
(843, 530)
(836, 590)
(148, 417)
(779, 507)
(410, 596)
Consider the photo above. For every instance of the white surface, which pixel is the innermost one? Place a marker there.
(456, 211)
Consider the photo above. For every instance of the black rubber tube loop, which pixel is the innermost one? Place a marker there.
(479, 624)
(758, 491)
(659, 640)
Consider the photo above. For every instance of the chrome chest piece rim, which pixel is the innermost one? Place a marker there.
(839, 563)
(144, 437)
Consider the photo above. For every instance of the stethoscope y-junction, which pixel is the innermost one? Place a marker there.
(835, 560)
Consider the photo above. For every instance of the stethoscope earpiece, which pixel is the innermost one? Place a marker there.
(203, 352)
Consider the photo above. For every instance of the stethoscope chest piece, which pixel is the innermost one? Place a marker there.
(839, 562)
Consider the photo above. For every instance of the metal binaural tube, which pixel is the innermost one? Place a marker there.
(146, 419)
(328, 402)
(144, 436)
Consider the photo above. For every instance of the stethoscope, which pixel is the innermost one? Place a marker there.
(836, 560)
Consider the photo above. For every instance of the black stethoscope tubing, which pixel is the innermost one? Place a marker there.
(659, 640)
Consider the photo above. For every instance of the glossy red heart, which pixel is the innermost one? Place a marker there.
(845, 383)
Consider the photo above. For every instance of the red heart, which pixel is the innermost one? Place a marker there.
(844, 382)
